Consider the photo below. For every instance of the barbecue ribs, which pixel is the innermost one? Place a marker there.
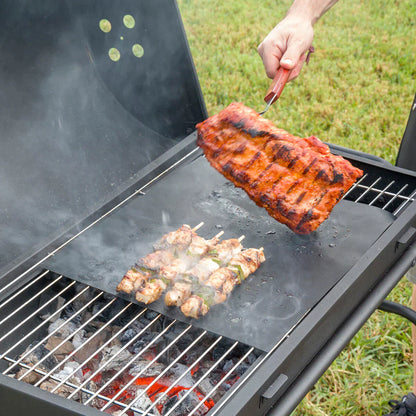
(297, 180)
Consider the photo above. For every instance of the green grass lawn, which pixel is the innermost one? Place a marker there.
(357, 93)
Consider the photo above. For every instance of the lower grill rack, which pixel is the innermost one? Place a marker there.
(382, 192)
(86, 345)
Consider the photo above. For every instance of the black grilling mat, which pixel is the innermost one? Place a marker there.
(297, 272)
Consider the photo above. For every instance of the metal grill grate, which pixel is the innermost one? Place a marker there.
(118, 357)
(382, 192)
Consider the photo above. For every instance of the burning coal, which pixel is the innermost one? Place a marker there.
(122, 359)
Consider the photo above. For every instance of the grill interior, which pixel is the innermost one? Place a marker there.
(102, 351)
(382, 192)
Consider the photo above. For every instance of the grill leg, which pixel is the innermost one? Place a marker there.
(398, 309)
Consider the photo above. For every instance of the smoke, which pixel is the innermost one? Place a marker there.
(73, 130)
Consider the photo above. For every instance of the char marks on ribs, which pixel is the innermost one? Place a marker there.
(297, 180)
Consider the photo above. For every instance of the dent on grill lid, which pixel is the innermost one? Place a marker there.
(92, 91)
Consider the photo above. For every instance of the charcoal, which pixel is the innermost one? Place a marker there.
(139, 365)
(63, 390)
(69, 312)
(242, 368)
(228, 365)
(193, 355)
(109, 311)
(69, 368)
(157, 327)
(38, 354)
(136, 347)
(205, 386)
(98, 306)
(141, 343)
(177, 370)
(79, 338)
(144, 322)
(186, 405)
(66, 330)
(220, 349)
(119, 361)
(30, 378)
(169, 355)
(60, 348)
(227, 384)
(183, 342)
(127, 335)
(50, 309)
(92, 387)
(143, 402)
(90, 346)
(150, 315)
(252, 357)
(127, 316)
(216, 375)
(177, 328)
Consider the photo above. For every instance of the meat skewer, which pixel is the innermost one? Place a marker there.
(220, 284)
(133, 280)
(146, 267)
(222, 253)
(297, 180)
(181, 238)
(153, 288)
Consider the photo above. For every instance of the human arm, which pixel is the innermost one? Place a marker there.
(286, 45)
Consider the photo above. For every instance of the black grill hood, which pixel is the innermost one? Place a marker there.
(76, 126)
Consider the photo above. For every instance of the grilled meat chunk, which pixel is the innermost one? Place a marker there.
(226, 249)
(151, 291)
(156, 260)
(132, 281)
(180, 292)
(201, 271)
(297, 180)
(194, 307)
(200, 247)
(221, 282)
(181, 238)
(199, 274)
(247, 261)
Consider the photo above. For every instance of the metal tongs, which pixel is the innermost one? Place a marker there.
(279, 82)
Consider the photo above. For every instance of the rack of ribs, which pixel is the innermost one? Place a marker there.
(297, 180)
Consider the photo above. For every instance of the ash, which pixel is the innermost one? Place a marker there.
(112, 355)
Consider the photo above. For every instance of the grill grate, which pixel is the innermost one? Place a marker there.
(113, 355)
(382, 192)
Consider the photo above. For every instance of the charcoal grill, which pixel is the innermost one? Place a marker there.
(98, 145)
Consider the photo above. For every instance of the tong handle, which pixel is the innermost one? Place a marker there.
(277, 85)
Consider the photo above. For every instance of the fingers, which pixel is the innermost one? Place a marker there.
(298, 67)
(292, 55)
(285, 46)
(270, 52)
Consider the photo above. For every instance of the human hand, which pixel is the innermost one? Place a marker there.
(286, 45)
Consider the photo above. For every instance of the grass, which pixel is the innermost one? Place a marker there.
(357, 93)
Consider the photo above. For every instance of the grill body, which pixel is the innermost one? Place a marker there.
(130, 130)
(283, 374)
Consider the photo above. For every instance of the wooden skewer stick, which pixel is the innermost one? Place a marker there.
(197, 227)
(241, 238)
(219, 234)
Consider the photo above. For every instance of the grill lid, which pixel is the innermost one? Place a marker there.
(91, 93)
